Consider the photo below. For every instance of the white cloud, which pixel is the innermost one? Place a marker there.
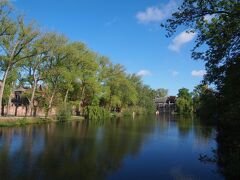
(152, 14)
(156, 14)
(181, 39)
(174, 73)
(198, 73)
(144, 73)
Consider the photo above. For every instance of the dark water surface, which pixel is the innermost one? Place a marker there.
(144, 148)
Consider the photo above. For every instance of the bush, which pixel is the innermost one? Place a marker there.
(64, 113)
(184, 106)
(95, 113)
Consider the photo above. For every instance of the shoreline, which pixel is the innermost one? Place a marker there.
(24, 121)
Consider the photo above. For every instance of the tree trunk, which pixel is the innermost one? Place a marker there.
(9, 101)
(3, 85)
(26, 111)
(32, 97)
(16, 110)
(50, 103)
(66, 96)
(81, 104)
(2, 111)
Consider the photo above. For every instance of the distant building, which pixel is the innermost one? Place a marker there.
(19, 103)
(165, 103)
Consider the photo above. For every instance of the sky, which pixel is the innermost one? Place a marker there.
(126, 31)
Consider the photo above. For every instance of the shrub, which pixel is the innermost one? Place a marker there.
(64, 113)
(96, 113)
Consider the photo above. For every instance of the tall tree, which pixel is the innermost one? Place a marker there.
(55, 67)
(5, 22)
(217, 25)
(184, 101)
(34, 67)
(20, 38)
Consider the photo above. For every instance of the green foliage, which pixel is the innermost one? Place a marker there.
(205, 103)
(137, 111)
(221, 34)
(64, 113)
(230, 91)
(222, 57)
(184, 106)
(96, 113)
(22, 122)
(184, 102)
(58, 71)
(161, 92)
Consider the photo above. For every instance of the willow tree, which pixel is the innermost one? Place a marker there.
(21, 36)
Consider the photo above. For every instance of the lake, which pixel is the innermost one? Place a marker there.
(164, 147)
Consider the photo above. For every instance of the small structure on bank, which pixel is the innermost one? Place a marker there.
(19, 103)
(19, 100)
(165, 104)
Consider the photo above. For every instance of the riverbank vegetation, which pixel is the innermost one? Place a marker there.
(216, 24)
(55, 72)
(23, 121)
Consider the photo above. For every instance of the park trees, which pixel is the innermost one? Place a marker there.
(53, 71)
(55, 68)
(217, 26)
(5, 22)
(13, 45)
(205, 103)
(34, 67)
(184, 101)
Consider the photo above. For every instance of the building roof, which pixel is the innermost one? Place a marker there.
(160, 99)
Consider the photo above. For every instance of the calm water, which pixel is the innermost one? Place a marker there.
(144, 148)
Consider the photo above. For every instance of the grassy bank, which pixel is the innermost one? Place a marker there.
(23, 121)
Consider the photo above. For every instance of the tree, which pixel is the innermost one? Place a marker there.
(5, 22)
(34, 67)
(217, 25)
(184, 101)
(197, 93)
(88, 85)
(205, 103)
(55, 68)
(161, 92)
(21, 37)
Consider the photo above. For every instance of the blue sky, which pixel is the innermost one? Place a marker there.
(126, 31)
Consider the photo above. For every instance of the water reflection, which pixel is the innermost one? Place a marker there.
(166, 147)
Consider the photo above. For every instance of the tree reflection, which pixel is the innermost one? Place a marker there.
(86, 150)
(228, 151)
(77, 149)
